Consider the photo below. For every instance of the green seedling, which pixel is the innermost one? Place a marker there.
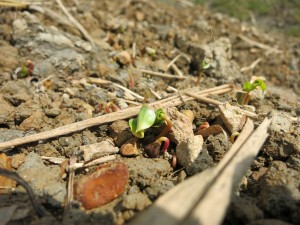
(148, 118)
(248, 87)
(203, 66)
(150, 51)
(27, 69)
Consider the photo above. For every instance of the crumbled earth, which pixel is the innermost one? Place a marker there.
(56, 93)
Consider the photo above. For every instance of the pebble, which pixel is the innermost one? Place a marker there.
(281, 122)
(102, 186)
(129, 149)
(123, 58)
(232, 116)
(188, 150)
(136, 201)
(6, 110)
(280, 192)
(35, 121)
(45, 180)
(97, 150)
(119, 131)
(6, 184)
(182, 128)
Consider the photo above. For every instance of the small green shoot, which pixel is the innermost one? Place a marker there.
(257, 83)
(248, 87)
(27, 69)
(150, 51)
(203, 66)
(148, 118)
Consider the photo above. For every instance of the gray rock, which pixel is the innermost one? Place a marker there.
(144, 171)
(188, 150)
(243, 211)
(45, 180)
(59, 40)
(280, 192)
(158, 188)
(6, 135)
(52, 112)
(222, 67)
(136, 201)
(281, 122)
(119, 131)
(202, 162)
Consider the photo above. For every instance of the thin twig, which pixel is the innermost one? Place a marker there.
(155, 94)
(107, 118)
(129, 101)
(259, 45)
(177, 70)
(173, 61)
(12, 175)
(106, 82)
(215, 102)
(70, 192)
(252, 66)
(76, 23)
(164, 75)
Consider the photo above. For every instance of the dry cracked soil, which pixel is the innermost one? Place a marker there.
(45, 66)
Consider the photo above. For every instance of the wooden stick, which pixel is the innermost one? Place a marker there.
(259, 45)
(252, 66)
(184, 204)
(215, 102)
(107, 118)
(106, 82)
(164, 75)
(173, 61)
(177, 70)
(76, 23)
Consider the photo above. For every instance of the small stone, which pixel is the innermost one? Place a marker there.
(256, 175)
(129, 148)
(35, 121)
(189, 113)
(52, 112)
(188, 150)
(139, 16)
(6, 110)
(119, 131)
(6, 184)
(17, 160)
(232, 116)
(102, 186)
(244, 211)
(123, 58)
(136, 201)
(96, 150)
(182, 128)
(202, 162)
(7, 135)
(45, 180)
(281, 122)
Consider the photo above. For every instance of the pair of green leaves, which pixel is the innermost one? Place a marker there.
(146, 118)
(257, 83)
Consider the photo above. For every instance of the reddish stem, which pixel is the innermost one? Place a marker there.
(203, 126)
(167, 129)
(166, 143)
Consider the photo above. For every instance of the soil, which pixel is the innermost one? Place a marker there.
(54, 94)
